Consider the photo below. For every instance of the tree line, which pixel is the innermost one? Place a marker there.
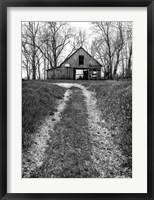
(44, 45)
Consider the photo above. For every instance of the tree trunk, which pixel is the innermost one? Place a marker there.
(129, 63)
(129, 60)
(27, 71)
(44, 68)
(33, 67)
(123, 67)
(116, 65)
(39, 73)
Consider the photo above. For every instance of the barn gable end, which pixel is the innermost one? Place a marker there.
(80, 65)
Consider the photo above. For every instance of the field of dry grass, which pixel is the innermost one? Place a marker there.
(39, 100)
(114, 99)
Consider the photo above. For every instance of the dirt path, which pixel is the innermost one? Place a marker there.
(106, 156)
(75, 144)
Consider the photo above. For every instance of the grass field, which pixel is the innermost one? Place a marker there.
(39, 99)
(115, 102)
(70, 146)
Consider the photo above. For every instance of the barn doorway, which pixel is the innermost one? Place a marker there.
(85, 74)
(81, 74)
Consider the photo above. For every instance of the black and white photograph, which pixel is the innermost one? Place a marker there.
(76, 99)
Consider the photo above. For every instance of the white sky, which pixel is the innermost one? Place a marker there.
(82, 25)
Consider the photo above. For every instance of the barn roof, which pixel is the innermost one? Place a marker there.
(72, 55)
(54, 68)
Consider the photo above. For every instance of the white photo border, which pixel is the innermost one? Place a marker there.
(17, 184)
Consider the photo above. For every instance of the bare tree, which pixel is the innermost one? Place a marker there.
(105, 43)
(109, 44)
(39, 61)
(31, 42)
(129, 44)
(26, 61)
(118, 45)
(55, 38)
(79, 39)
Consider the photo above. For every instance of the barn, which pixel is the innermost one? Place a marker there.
(78, 66)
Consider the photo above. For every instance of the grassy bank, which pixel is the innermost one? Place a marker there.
(38, 101)
(114, 99)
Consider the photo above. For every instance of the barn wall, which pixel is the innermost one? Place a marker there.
(66, 73)
(60, 73)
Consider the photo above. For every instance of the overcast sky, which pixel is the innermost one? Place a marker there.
(82, 25)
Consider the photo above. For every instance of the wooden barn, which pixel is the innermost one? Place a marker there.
(78, 66)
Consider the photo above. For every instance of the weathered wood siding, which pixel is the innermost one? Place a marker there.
(60, 73)
(73, 61)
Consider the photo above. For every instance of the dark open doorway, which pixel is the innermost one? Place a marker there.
(81, 74)
(85, 74)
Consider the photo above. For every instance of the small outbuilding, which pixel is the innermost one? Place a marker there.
(78, 66)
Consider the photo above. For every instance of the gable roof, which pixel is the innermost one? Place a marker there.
(77, 51)
(72, 55)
